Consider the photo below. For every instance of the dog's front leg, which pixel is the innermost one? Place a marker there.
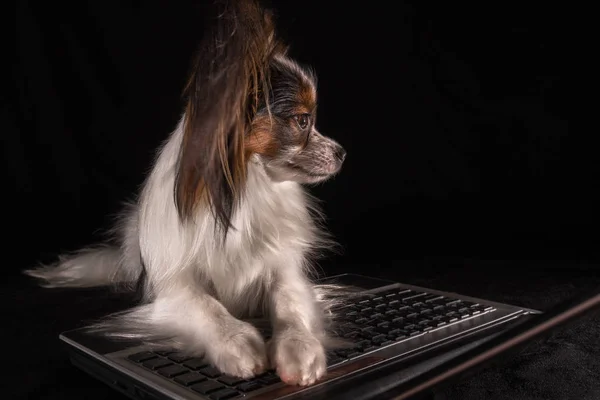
(200, 323)
(296, 351)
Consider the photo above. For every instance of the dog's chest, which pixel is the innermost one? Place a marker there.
(270, 226)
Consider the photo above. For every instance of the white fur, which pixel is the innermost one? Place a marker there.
(196, 291)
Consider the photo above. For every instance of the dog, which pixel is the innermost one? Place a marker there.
(223, 230)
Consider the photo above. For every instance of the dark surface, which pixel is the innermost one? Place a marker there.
(566, 366)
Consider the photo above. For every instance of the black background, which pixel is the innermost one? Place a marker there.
(463, 168)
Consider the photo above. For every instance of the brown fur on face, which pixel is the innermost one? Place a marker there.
(262, 139)
(265, 137)
(274, 127)
(307, 99)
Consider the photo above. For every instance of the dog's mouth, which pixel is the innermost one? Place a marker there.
(306, 172)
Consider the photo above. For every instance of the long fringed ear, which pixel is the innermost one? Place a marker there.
(228, 77)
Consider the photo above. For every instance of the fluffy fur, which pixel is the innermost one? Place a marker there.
(223, 231)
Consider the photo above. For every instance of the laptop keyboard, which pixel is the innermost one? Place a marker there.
(370, 322)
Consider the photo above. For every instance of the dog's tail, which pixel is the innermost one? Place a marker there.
(98, 266)
(117, 265)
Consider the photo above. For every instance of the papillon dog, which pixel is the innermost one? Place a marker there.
(223, 230)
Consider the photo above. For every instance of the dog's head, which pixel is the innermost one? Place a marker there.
(246, 98)
(283, 131)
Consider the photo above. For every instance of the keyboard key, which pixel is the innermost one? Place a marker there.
(207, 387)
(379, 339)
(367, 335)
(464, 310)
(446, 320)
(224, 394)
(189, 378)
(210, 371)
(347, 326)
(352, 308)
(391, 317)
(452, 317)
(481, 308)
(432, 297)
(352, 335)
(249, 387)
(362, 344)
(195, 363)
(368, 328)
(164, 353)
(398, 324)
(345, 353)
(143, 356)
(270, 378)
(393, 332)
(172, 370)
(230, 380)
(412, 297)
(156, 363)
(178, 357)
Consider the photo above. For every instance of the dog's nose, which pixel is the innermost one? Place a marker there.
(340, 153)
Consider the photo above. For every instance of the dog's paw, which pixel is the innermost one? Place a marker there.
(241, 352)
(298, 357)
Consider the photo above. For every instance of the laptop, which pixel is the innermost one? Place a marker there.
(405, 341)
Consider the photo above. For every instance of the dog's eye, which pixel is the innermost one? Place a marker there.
(303, 120)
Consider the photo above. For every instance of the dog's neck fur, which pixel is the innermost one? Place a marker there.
(273, 222)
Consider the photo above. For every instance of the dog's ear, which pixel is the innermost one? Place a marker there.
(227, 79)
